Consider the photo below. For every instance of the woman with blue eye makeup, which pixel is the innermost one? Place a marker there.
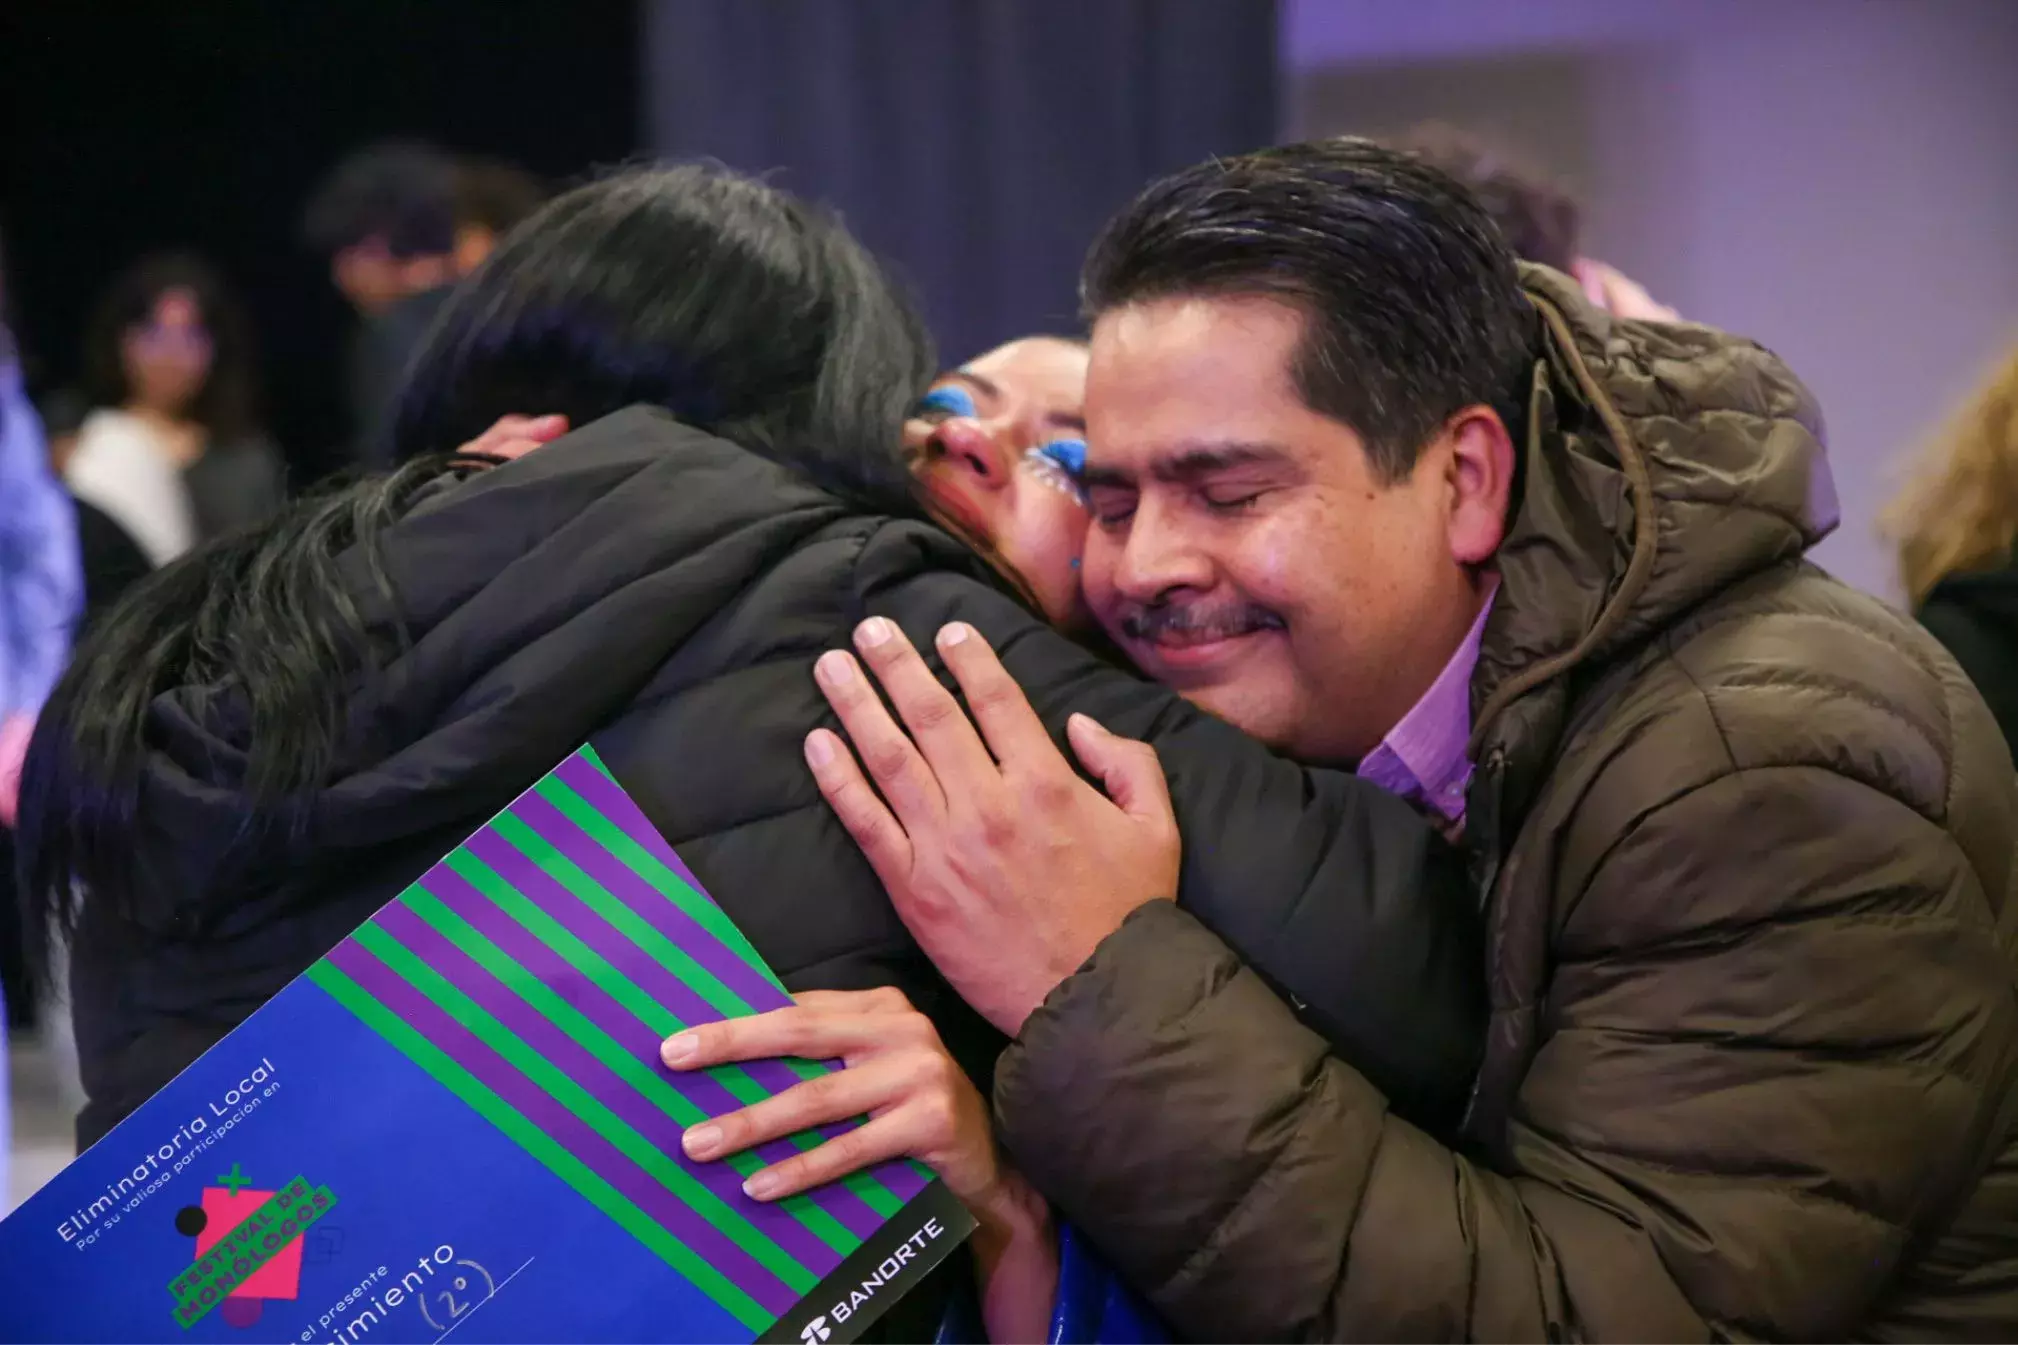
(277, 734)
(997, 444)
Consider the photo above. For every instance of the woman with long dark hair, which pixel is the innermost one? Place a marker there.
(269, 740)
(173, 451)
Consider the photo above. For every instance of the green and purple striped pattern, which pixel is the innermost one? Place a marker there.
(534, 971)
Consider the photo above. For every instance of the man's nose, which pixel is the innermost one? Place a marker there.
(1158, 556)
(973, 449)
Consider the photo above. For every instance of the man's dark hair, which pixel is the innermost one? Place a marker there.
(495, 195)
(401, 191)
(1412, 302)
(1539, 220)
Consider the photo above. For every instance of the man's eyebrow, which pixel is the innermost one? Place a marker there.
(1187, 463)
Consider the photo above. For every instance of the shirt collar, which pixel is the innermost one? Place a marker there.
(1422, 758)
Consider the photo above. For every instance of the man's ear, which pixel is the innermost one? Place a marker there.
(1479, 470)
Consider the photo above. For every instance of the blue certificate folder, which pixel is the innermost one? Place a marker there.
(457, 1122)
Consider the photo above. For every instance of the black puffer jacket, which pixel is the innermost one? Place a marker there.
(1976, 616)
(665, 594)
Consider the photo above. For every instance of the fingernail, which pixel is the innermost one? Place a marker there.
(956, 633)
(819, 751)
(1086, 724)
(874, 631)
(700, 1141)
(761, 1184)
(835, 668)
(680, 1048)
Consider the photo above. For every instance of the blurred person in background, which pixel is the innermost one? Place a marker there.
(64, 411)
(173, 452)
(1541, 221)
(387, 218)
(1955, 526)
(491, 198)
(41, 594)
(112, 561)
(674, 582)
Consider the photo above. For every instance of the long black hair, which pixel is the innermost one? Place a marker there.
(744, 310)
(226, 403)
(740, 309)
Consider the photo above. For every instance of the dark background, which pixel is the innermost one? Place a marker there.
(976, 144)
(126, 128)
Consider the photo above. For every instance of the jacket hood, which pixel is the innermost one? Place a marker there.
(538, 598)
(1664, 462)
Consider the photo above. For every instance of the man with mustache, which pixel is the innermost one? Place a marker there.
(1744, 837)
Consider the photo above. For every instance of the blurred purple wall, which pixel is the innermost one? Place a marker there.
(977, 144)
(1837, 178)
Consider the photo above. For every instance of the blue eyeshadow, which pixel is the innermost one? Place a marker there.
(1069, 454)
(952, 400)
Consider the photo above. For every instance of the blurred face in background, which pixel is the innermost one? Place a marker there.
(167, 357)
(473, 243)
(367, 275)
(373, 279)
(997, 445)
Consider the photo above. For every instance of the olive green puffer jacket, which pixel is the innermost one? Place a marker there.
(1745, 841)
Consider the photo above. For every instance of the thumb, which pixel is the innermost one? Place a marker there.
(1128, 770)
(544, 428)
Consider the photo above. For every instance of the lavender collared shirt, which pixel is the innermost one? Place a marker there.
(1422, 758)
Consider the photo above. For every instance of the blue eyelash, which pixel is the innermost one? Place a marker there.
(1069, 454)
(951, 400)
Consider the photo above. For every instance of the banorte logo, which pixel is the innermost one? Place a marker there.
(248, 1247)
(815, 1331)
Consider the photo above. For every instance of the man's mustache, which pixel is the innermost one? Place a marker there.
(1196, 621)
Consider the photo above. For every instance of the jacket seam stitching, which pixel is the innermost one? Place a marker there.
(773, 815)
(790, 654)
(1586, 1145)
(1860, 695)
(858, 610)
(1730, 613)
(1677, 648)
(1261, 1186)
(1938, 1071)
(1731, 506)
(1856, 695)
(1709, 708)
(793, 654)
(1719, 932)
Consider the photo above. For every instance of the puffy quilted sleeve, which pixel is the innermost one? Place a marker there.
(1339, 896)
(1752, 1096)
